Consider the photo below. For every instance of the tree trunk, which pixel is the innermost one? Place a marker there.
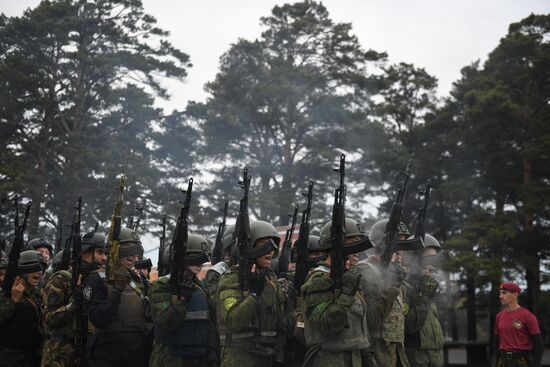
(471, 307)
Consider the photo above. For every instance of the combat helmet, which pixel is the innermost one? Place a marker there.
(196, 254)
(93, 240)
(30, 261)
(352, 229)
(378, 230)
(130, 244)
(36, 243)
(258, 230)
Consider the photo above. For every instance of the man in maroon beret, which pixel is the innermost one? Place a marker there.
(517, 331)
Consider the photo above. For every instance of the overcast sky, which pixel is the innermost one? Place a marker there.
(440, 35)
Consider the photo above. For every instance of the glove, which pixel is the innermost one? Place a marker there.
(257, 283)
(350, 283)
(121, 279)
(287, 289)
(78, 297)
(396, 274)
(429, 287)
(186, 289)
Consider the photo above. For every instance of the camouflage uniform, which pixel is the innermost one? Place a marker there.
(253, 330)
(64, 328)
(335, 324)
(20, 332)
(385, 315)
(424, 336)
(182, 339)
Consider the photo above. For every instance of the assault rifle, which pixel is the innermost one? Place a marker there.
(16, 248)
(76, 241)
(59, 239)
(301, 243)
(140, 215)
(242, 231)
(162, 246)
(179, 242)
(338, 227)
(218, 245)
(284, 257)
(392, 243)
(114, 233)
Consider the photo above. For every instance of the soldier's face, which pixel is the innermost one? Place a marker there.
(428, 269)
(193, 270)
(33, 278)
(264, 262)
(128, 261)
(2, 275)
(100, 257)
(45, 253)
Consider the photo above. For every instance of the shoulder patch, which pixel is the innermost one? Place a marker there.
(229, 303)
(87, 292)
(321, 307)
(405, 309)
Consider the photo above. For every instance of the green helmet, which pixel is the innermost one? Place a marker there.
(130, 243)
(431, 241)
(196, 254)
(57, 260)
(93, 240)
(352, 229)
(36, 243)
(30, 261)
(378, 230)
(259, 230)
(3, 260)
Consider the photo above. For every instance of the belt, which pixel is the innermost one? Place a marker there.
(77, 341)
(513, 355)
(230, 337)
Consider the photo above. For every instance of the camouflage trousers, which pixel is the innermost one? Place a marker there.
(388, 354)
(317, 357)
(60, 353)
(13, 358)
(425, 357)
(238, 357)
(513, 361)
(161, 357)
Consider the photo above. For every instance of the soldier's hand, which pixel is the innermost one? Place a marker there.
(350, 283)
(18, 289)
(78, 297)
(256, 282)
(286, 288)
(396, 274)
(187, 287)
(121, 279)
(429, 286)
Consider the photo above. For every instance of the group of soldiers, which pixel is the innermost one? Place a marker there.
(376, 317)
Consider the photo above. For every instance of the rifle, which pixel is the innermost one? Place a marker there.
(284, 258)
(162, 245)
(242, 231)
(179, 242)
(392, 243)
(76, 248)
(59, 239)
(16, 248)
(301, 243)
(218, 246)
(419, 226)
(338, 227)
(139, 209)
(114, 233)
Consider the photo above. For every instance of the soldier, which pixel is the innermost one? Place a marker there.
(213, 274)
(42, 246)
(3, 267)
(424, 336)
(185, 334)
(118, 313)
(253, 324)
(65, 325)
(383, 289)
(20, 332)
(335, 318)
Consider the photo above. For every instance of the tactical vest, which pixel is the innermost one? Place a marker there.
(21, 331)
(354, 336)
(260, 336)
(431, 334)
(132, 309)
(392, 329)
(191, 338)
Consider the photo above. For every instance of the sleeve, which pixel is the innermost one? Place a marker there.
(419, 307)
(7, 308)
(287, 297)
(102, 308)
(235, 310)
(497, 319)
(538, 350)
(532, 324)
(322, 308)
(56, 308)
(166, 316)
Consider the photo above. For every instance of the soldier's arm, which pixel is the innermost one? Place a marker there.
(236, 311)
(55, 309)
(418, 308)
(7, 308)
(325, 309)
(211, 283)
(166, 316)
(102, 308)
(287, 296)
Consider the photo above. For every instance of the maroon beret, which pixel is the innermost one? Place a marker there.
(510, 287)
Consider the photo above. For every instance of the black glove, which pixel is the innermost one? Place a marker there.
(256, 283)
(186, 289)
(78, 297)
(350, 283)
(121, 276)
(396, 274)
(428, 287)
